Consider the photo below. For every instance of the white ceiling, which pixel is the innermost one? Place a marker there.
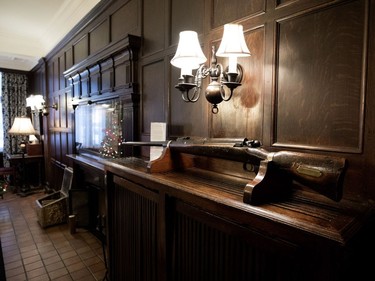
(30, 29)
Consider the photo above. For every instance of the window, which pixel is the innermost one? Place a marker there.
(1, 117)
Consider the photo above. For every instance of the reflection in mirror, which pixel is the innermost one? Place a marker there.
(98, 127)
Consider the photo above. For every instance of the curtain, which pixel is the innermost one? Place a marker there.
(13, 99)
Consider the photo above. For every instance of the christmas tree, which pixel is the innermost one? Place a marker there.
(112, 136)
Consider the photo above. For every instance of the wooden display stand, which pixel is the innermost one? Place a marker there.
(274, 171)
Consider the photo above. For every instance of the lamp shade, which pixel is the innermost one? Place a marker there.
(22, 126)
(189, 53)
(233, 43)
(36, 102)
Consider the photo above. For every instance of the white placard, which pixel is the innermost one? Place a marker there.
(158, 133)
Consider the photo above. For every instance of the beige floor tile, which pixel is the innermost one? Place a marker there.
(35, 253)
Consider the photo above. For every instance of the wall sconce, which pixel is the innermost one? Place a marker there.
(189, 56)
(38, 104)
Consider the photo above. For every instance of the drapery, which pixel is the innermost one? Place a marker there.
(13, 99)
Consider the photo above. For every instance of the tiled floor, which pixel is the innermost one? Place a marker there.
(33, 253)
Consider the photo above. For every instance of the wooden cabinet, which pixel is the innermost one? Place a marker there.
(192, 224)
(87, 196)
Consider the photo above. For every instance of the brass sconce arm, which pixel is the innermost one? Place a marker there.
(45, 111)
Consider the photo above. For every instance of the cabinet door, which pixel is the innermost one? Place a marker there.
(133, 231)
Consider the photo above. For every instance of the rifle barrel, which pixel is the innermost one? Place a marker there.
(146, 143)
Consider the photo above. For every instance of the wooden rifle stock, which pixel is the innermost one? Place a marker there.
(321, 173)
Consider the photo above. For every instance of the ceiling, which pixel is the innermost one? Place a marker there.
(30, 29)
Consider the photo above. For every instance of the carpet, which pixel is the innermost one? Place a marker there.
(2, 269)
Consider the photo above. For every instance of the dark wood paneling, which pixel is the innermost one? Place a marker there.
(319, 101)
(68, 58)
(99, 36)
(153, 95)
(85, 83)
(224, 13)
(107, 75)
(68, 63)
(61, 71)
(245, 109)
(153, 27)
(122, 70)
(186, 17)
(63, 109)
(138, 232)
(75, 82)
(95, 80)
(56, 79)
(221, 247)
(298, 4)
(50, 77)
(296, 36)
(80, 49)
(124, 20)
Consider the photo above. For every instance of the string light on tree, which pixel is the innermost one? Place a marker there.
(112, 139)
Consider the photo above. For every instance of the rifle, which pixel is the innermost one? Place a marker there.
(275, 171)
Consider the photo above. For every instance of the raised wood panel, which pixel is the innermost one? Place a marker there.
(61, 71)
(99, 36)
(56, 79)
(68, 58)
(50, 75)
(130, 122)
(284, 2)
(75, 81)
(85, 83)
(95, 80)
(186, 17)
(80, 49)
(57, 150)
(299, 4)
(153, 26)
(153, 96)
(68, 63)
(107, 75)
(52, 142)
(122, 70)
(242, 116)
(224, 13)
(63, 109)
(124, 20)
(320, 73)
(64, 147)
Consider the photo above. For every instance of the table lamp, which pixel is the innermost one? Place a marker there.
(22, 126)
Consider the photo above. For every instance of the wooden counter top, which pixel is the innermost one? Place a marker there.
(310, 215)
